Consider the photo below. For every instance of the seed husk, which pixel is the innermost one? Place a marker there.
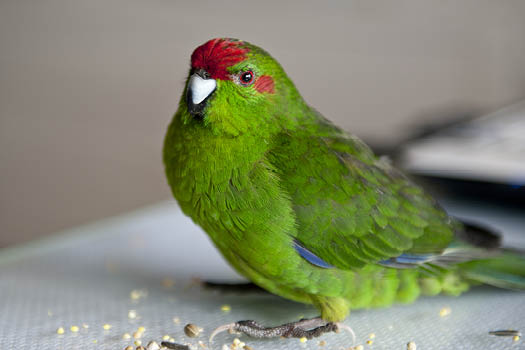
(192, 330)
(174, 346)
(506, 333)
(152, 345)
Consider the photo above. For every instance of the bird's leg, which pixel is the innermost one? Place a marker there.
(308, 328)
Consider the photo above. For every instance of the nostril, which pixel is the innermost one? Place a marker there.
(202, 73)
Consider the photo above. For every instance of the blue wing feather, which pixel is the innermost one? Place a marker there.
(310, 257)
(407, 260)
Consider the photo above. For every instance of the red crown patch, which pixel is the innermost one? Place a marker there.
(216, 55)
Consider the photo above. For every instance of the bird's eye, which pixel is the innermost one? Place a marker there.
(246, 78)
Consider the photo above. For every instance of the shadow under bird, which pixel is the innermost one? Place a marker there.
(304, 209)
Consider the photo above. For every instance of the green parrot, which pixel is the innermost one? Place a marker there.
(304, 209)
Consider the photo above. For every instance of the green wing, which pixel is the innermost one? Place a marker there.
(351, 207)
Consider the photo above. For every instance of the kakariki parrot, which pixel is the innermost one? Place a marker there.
(306, 210)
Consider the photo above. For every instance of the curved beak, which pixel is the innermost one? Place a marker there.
(200, 88)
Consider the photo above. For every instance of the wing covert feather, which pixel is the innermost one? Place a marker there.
(353, 208)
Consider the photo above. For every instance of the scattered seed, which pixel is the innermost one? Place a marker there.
(136, 294)
(322, 343)
(49, 313)
(174, 346)
(85, 326)
(132, 314)
(515, 338)
(176, 320)
(139, 332)
(140, 347)
(506, 333)
(359, 347)
(372, 335)
(192, 330)
(129, 347)
(60, 330)
(95, 341)
(201, 344)
(445, 311)
(152, 345)
(232, 331)
(411, 345)
(106, 327)
(126, 336)
(225, 347)
(247, 347)
(74, 329)
(166, 337)
(137, 342)
(370, 342)
(237, 344)
(226, 308)
(168, 282)
(172, 340)
(303, 340)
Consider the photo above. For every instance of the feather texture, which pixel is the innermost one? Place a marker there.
(306, 210)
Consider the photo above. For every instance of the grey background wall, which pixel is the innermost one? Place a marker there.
(88, 87)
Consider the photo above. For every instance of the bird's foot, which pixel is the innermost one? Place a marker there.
(307, 328)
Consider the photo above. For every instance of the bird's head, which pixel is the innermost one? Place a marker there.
(234, 86)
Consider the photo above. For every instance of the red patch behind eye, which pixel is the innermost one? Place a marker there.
(217, 55)
(265, 84)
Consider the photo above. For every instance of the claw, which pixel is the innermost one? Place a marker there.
(220, 329)
(313, 329)
(346, 328)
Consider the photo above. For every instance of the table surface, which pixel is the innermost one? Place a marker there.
(85, 276)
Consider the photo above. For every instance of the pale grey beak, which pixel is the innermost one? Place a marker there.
(201, 88)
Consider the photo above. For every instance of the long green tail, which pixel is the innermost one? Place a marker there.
(506, 270)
